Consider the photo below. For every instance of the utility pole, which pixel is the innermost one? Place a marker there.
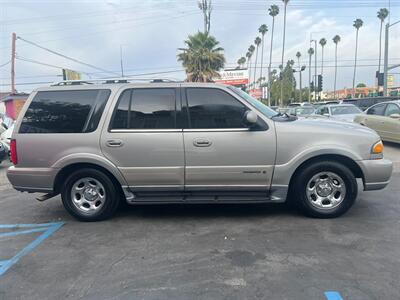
(386, 58)
(13, 40)
(316, 71)
(122, 64)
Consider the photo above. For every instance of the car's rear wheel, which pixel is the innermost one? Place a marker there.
(90, 195)
(325, 189)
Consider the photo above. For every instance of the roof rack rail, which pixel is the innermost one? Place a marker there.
(112, 81)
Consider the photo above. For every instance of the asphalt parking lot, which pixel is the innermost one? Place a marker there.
(202, 252)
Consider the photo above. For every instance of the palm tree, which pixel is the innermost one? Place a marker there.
(382, 15)
(251, 50)
(241, 61)
(202, 58)
(336, 40)
(322, 42)
(358, 23)
(257, 42)
(310, 54)
(298, 55)
(273, 12)
(263, 30)
(285, 2)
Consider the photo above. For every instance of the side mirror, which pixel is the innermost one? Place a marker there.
(395, 116)
(250, 118)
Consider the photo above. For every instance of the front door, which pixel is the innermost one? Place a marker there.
(375, 118)
(391, 126)
(144, 141)
(221, 152)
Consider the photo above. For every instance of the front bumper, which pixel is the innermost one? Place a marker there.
(377, 173)
(32, 179)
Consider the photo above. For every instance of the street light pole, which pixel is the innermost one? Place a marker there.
(386, 59)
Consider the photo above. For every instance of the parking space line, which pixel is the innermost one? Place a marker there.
(13, 233)
(48, 229)
(331, 295)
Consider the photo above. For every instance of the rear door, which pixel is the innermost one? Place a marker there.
(143, 139)
(222, 154)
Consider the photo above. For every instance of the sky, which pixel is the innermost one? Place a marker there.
(149, 32)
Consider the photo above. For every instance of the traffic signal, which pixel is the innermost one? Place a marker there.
(312, 86)
(320, 83)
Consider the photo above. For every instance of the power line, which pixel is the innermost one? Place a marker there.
(5, 64)
(65, 56)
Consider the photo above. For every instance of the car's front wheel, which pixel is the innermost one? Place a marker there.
(325, 189)
(90, 195)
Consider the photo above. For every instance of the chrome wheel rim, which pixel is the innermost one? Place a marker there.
(326, 190)
(88, 195)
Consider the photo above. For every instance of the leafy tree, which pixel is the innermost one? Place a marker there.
(361, 85)
(284, 82)
(202, 58)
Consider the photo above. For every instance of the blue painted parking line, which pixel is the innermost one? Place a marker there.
(47, 229)
(13, 233)
(333, 296)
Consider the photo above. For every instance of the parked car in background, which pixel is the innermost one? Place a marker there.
(340, 112)
(323, 103)
(384, 118)
(298, 104)
(3, 152)
(301, 111)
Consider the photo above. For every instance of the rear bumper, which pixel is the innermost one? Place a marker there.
(32, 179)
(377, 173)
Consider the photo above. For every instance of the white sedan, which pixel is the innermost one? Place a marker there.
(340, 112)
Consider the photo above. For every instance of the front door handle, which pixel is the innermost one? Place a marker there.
(201, 142)
(114, 143)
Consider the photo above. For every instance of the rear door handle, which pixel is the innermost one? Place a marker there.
(114, 143)
(201, 142)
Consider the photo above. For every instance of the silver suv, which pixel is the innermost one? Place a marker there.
(101, 144)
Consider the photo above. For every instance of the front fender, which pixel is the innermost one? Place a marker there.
(284, 172)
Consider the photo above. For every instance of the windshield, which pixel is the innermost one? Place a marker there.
(265, 110)
(345, 110)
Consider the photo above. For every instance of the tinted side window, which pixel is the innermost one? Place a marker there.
(392, 109)
(64, 111)
(213, 108)
(377, 110)
(146, 109)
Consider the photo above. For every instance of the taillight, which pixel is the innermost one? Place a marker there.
(13, 152)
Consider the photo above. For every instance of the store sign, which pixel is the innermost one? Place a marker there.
(233, 77)
(256, 93)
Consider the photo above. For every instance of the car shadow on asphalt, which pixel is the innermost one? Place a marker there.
(206, 210)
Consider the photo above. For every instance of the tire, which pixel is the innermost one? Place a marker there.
(312, 184)
(90, 195)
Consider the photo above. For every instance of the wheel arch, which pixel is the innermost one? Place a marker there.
(345, 160)
(69, 169)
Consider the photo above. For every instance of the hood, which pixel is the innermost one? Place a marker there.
(334, 136)
(333, 124)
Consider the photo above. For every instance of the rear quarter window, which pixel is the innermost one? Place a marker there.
(64, 111)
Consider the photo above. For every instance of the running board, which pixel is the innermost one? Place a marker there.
(45, 197)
